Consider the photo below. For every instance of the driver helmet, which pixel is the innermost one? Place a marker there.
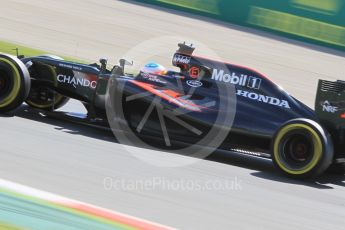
(153, 68)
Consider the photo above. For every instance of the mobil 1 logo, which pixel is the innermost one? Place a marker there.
(236, 79)
(254, 83)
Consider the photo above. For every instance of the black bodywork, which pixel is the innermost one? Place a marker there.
(258, 105)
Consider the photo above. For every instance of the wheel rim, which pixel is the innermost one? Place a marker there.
(297, 149)
(5, 83)
(43, 98)
(10, 82)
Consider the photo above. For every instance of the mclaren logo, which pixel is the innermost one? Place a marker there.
(243, 80)
(76, 81)
(263, 99)
(180, 59)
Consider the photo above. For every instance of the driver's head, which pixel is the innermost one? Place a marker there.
(153, 68)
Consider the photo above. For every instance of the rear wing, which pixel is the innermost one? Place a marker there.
(190, 65)
(183, 55)
(330, 106)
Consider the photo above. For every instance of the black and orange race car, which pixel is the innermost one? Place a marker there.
(207, 105)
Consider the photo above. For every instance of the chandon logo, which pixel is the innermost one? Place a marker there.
(180, 59)
(76, 81)
(263, 99)
(243, 80)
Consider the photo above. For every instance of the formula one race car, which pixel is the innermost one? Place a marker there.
(208, 103)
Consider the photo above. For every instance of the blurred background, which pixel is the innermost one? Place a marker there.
(293, 42)
(316, 21)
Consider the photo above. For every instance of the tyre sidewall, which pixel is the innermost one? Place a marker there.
(325, 159)
(20, 83)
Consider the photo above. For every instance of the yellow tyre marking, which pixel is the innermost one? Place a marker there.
(58, 96)
(16, 87)
(317, 149)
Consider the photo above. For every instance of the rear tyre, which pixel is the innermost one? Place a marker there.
(41, 96)
(302, 149)
(14, 83)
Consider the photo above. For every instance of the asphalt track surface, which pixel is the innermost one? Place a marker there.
(73, 160)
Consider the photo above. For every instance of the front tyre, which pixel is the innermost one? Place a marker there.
(41, 96)
(302, 149)
(14, 83)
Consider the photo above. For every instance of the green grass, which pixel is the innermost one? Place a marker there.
(10, 48)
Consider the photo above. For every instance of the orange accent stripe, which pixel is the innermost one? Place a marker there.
(168, 95)
(171, 93)
(151, 89)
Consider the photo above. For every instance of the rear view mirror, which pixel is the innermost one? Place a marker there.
(119, 70)
(124, 62)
